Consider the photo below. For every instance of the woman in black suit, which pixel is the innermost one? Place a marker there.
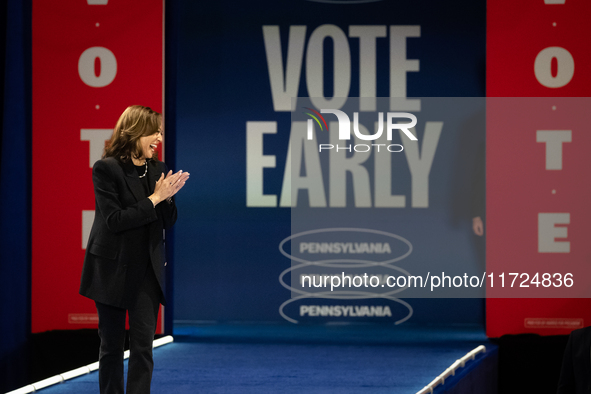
(124, 266)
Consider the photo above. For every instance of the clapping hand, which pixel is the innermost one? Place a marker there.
(169, 185)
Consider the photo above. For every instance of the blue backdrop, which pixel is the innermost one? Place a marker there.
(15, 188)
(226, 257)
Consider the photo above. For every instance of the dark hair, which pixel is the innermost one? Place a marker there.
(135, 122)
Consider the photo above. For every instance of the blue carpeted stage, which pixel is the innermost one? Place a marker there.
(313, 359)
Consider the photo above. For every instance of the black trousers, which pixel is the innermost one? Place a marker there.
(143, 317)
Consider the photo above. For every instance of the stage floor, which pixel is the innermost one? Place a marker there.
(299, 359)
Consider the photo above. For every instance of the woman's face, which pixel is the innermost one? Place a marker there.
(150, 143)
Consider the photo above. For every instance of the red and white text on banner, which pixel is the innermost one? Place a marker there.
(538, 169)
(91, 60)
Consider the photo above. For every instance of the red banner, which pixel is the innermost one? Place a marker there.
(537, 165)
(91, 60)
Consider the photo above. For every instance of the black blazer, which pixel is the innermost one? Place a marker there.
(575, 376)
(116, 253)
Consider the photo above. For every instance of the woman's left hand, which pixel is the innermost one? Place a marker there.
(176, 181)
(168, 186)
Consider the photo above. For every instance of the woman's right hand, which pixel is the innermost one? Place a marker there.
(478, 226)
(168, 186)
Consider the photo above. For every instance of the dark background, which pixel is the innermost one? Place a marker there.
(215, 65)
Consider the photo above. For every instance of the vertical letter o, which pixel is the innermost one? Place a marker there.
(108, 67)
(341, 72)
(566, 67)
